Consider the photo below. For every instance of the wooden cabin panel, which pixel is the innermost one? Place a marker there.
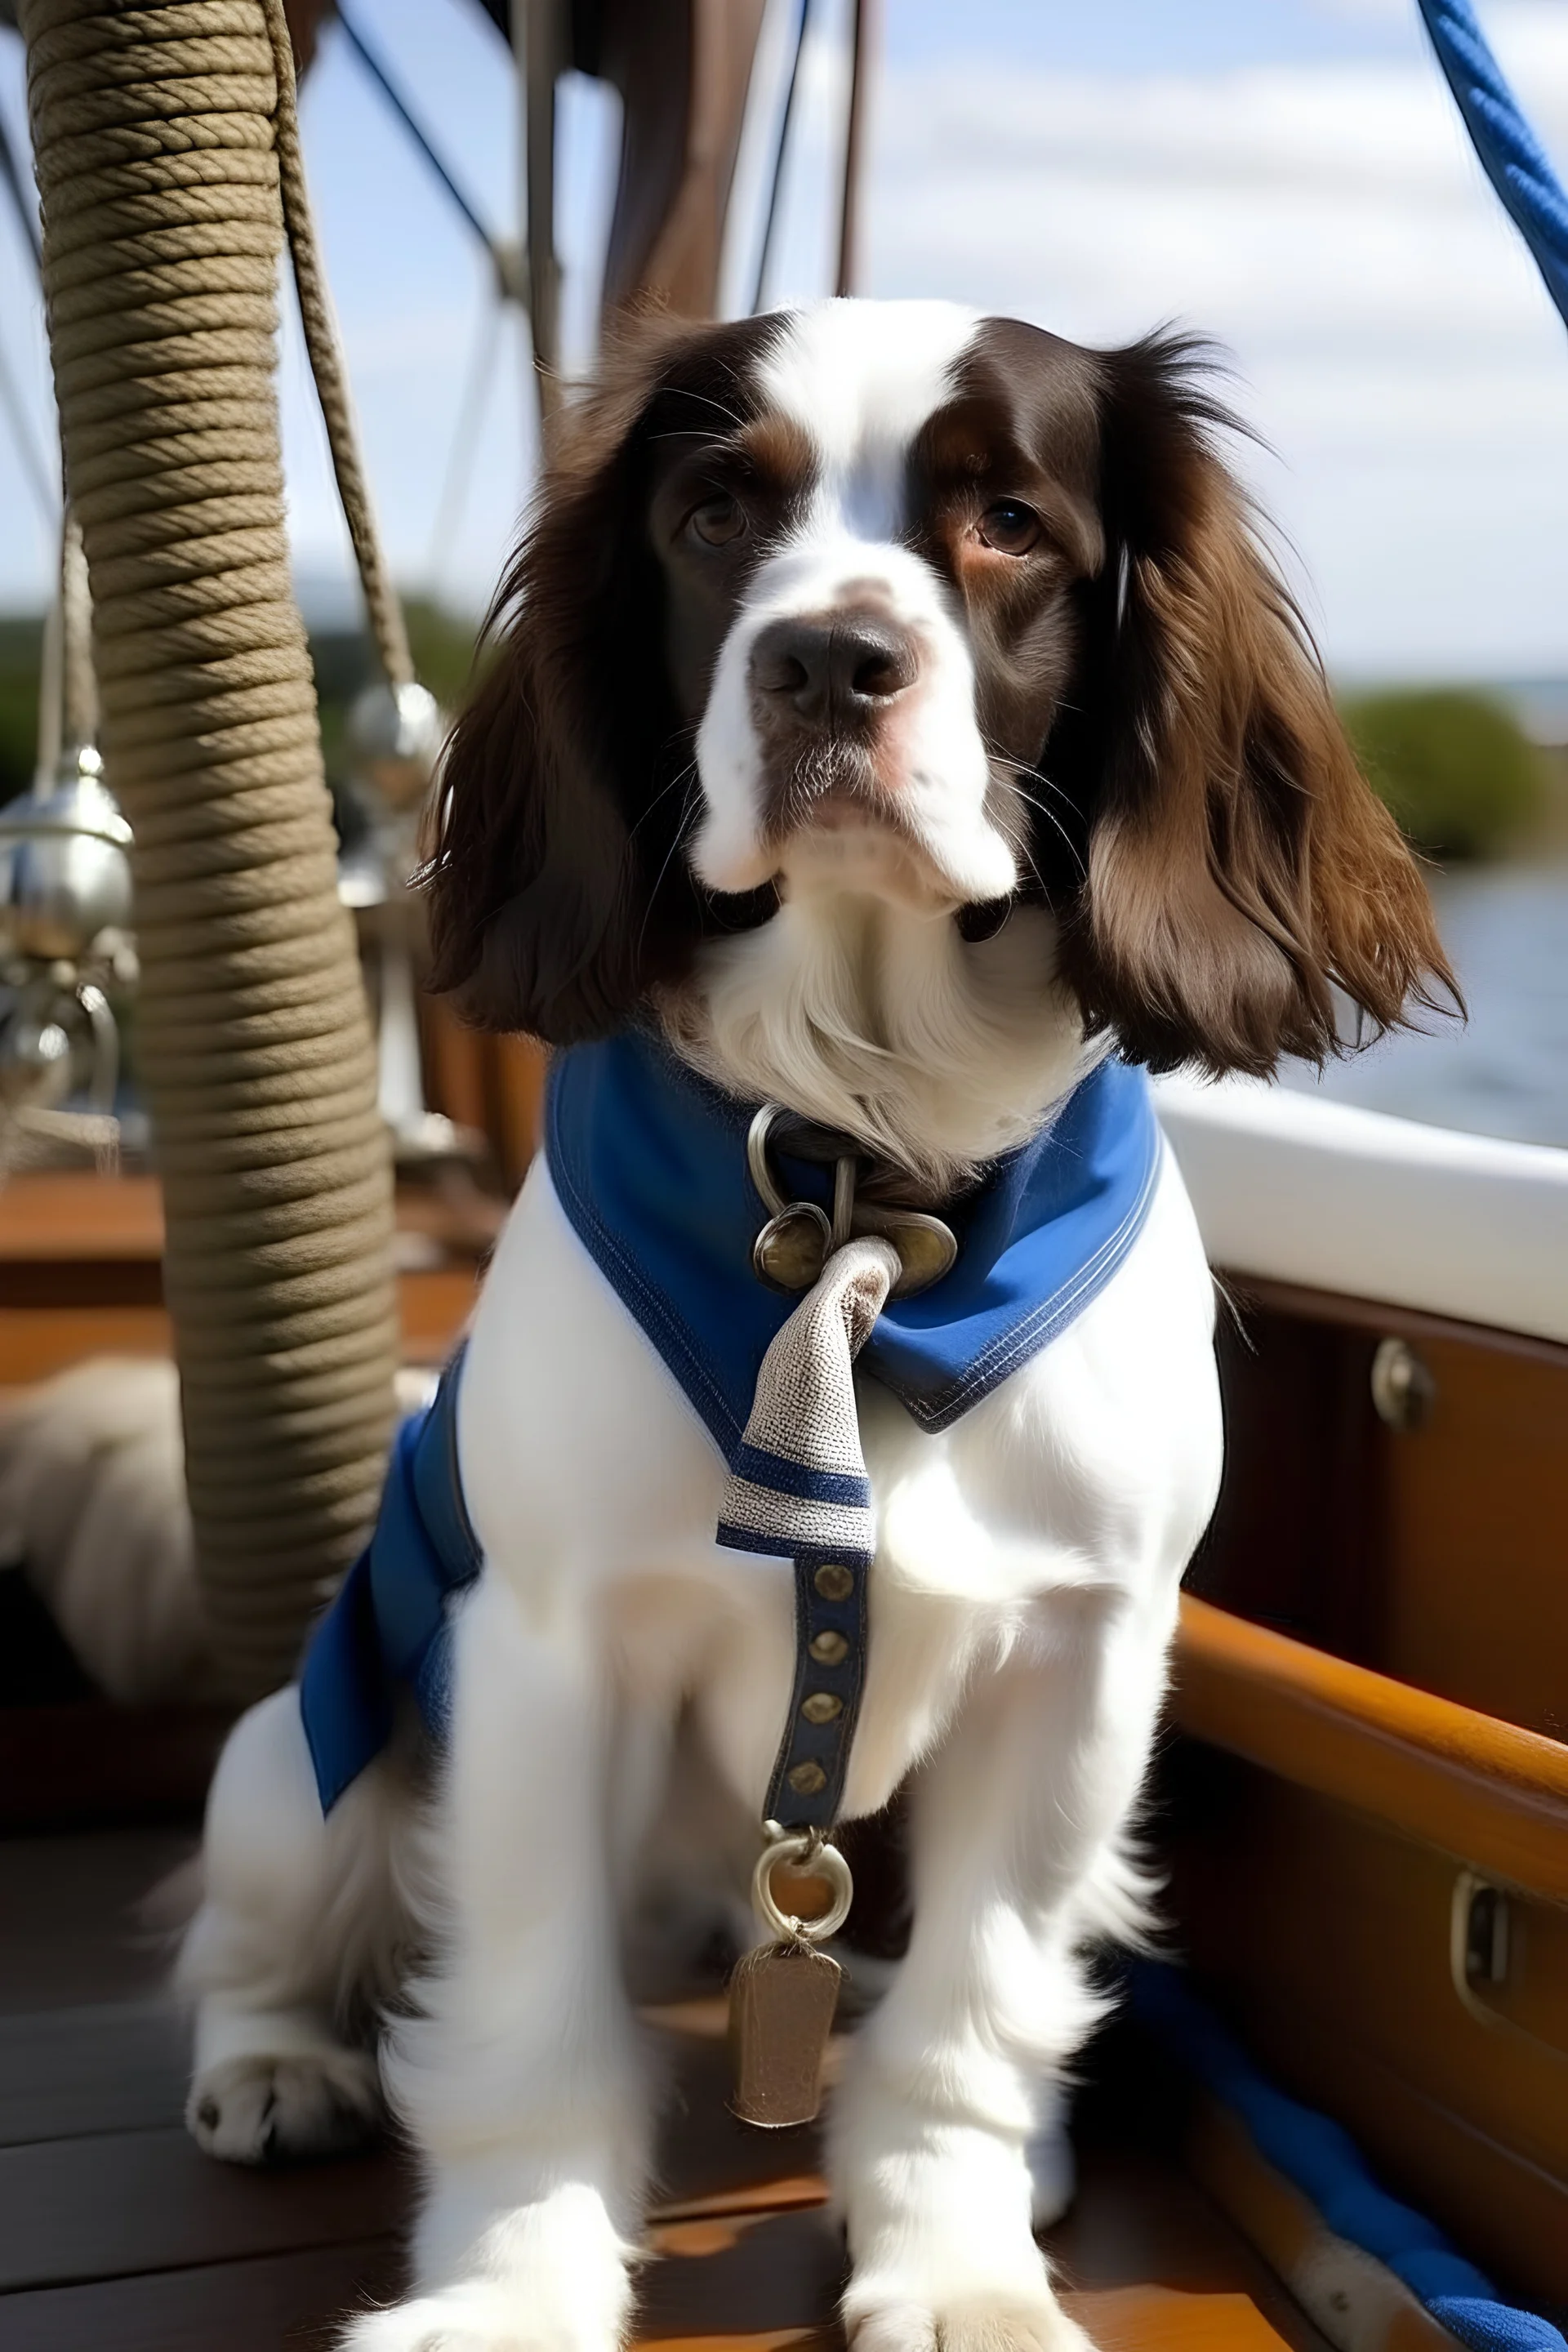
(1474, 1557)
(1329, 1936)
(1435, 1553)
(1354, 1923)
(1291, 1541)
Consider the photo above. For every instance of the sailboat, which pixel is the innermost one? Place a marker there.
(1343, 2117)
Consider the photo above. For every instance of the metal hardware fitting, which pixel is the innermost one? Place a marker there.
(802, 1848)
(794, 1246)
(1477, 1943)
(1403, 1388)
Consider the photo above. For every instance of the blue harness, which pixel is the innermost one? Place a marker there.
(649, 1163)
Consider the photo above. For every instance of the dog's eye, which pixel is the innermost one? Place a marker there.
(1009, 527)
(718, 520)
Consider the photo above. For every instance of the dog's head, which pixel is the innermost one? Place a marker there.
(893, 599)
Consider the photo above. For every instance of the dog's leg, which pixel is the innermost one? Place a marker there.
(522, 2082)
(1013, 1820)
(299, 1916)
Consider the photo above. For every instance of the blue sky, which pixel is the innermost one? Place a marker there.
(1286, 174)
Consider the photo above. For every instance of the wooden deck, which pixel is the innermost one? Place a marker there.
(116, 2233)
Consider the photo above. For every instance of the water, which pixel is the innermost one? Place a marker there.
(1505, 1073)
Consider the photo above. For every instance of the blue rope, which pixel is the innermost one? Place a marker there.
(1511, 156)
(1319, 2157)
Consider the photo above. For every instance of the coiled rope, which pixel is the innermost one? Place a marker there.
(159, 133)
(1511, 154)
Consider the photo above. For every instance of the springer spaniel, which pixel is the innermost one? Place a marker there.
(897, 722)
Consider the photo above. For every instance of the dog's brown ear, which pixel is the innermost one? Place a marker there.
(539, 883)
(1239, 869)
(530, 887)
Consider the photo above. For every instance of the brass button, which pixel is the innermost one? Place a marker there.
(807, 1780)
(821, 1707)
(833, 1580)
(830, 1649)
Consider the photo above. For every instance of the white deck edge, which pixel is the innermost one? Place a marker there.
(1299, 1189)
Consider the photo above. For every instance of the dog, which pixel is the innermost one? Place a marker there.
(898, 722)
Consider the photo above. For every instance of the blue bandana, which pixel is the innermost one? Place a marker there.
(649, 1162)
(650, 1165)
(387, 1628)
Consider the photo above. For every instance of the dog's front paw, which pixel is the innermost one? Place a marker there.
(265, 2110)
(971, 2321)
(481, 2315)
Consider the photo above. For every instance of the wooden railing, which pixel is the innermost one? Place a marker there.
(1481, 1789)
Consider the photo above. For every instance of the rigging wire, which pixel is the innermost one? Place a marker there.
(68, 689)
(503, 261)
(11, 173)
(781, 155)
(861, 36)
(43, 481)
(541, 51)
(457, 479)
(44, 491)
(323, 347)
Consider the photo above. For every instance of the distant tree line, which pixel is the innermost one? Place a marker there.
(1453, 764)
(442, 644)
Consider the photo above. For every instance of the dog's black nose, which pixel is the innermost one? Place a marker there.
(832, 667)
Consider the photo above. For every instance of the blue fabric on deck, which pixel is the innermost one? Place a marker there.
(1326, 2165)
(387, 1627)
(651, 1166)
(1494, 2327)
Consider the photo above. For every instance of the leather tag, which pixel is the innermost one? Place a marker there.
(782, 2000)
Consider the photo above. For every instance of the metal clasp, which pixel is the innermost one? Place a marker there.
(799, 1237)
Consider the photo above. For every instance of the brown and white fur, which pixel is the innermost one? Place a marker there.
(832, 629)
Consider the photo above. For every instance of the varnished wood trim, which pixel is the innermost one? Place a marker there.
(1480, 1789)
(35, 1341)
(71, 1214)
(519, 1065)
(1310, 1306)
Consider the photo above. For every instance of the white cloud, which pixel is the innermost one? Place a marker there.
(1323, 219)
(1329, 224)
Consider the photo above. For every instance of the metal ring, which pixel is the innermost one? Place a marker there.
(757, 1159)
(827, 1862)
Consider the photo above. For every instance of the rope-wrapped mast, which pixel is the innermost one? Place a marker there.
(155, 131)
